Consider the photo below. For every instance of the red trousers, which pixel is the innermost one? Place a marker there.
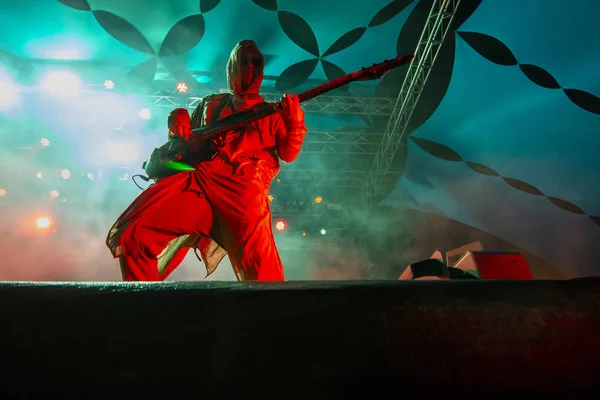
(214, 201)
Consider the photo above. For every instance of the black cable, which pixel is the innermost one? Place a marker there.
(143, 177)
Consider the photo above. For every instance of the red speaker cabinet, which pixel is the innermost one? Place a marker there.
(495, 265)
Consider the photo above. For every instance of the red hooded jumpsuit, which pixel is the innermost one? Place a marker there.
(222, 206)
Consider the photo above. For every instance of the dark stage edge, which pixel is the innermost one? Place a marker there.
(333, 339)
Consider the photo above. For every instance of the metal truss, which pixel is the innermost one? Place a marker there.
(342, 104)
(325, 104)
(341, 142)
(321, 105)
(320, 178)
(323, 178)
(436, 28)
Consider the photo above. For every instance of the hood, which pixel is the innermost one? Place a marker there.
(245, 69)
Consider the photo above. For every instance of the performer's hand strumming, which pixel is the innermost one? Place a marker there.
(290, 111)
(179, 123)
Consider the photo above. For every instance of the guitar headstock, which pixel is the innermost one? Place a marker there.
(376, 71)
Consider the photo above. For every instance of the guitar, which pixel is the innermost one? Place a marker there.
(177, 154)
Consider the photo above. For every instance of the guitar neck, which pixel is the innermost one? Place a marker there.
(242, 119)
(324, 88)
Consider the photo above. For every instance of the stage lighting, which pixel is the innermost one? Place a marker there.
(182, 87)
(271, 197)
(318, 199)
(109, 84)
(145, 113)
(63, 84)
(90, 176)
(65, 174)
(2, 192)
(120, 152)
(38, 175)
(323, 231)
(54, 193)
(10, 95)
(43, 222)
(44, 142)
(280, 225)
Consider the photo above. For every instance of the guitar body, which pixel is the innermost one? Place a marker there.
(178, 155)
(172, 157)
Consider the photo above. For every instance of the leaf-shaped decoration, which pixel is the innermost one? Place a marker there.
(464, 12)
(332, 72)
(299, 32)
(123, 31)
(388, 12)
(143, 73)
(524, 186)
(565, 205)
(489, 47)
(19, 65)
(270, 5)
(81, 5)
(594, 219)
(296, 74)
(207, 5)
(481, 169)
(539, 76)
(413, 27)
(178, 68)
(178, 63)
(585, 100)
(437, 149)
(439, 78)
(183, 36)
(345, 41)
(389, 85)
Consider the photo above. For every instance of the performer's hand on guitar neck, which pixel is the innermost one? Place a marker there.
(179, 123)
(290, 110)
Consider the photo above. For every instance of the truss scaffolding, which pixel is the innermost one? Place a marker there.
(436, 28)
(341, 142)
(323, 104)
(322, 177)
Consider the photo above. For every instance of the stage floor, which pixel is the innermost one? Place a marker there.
(331, 338)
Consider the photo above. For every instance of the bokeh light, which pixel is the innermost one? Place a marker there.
(145, 113)
(280, 225)
(43, 222)
(62, 84)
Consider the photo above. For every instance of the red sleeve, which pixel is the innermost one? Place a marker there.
(288, 140)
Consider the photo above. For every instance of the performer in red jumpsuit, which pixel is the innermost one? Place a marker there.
(221, 207)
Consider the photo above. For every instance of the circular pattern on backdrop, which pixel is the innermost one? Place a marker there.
(300, 33)
(181, 38)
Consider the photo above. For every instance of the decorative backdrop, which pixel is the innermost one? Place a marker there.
(505, 134)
